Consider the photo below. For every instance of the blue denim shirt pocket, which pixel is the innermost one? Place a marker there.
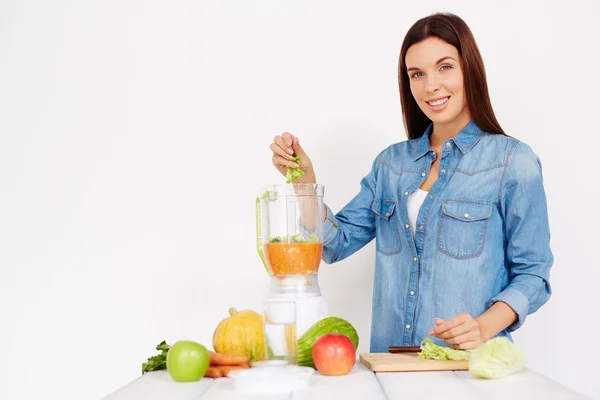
(463, 227)
(387, 235)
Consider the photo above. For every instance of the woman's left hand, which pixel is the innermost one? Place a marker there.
(461, 331)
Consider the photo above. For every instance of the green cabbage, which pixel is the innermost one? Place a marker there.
(496, 358)
(432, 351)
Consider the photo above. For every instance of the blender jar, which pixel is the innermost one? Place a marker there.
(290, 236)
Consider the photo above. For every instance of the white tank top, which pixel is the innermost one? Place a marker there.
(415, 201)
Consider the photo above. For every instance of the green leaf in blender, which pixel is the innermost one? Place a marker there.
(432, 351)
(313, 239)
(294, 173)
(297, 238)
(496, 358)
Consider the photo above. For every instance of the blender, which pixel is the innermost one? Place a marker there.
(289, 230)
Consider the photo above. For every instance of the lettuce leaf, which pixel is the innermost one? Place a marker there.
(313, 239)
(432, 351)
(496, 358)
(294, 173)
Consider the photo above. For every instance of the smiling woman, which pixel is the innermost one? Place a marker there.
(458, 211)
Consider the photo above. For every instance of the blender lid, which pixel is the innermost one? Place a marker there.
(271, 377)
(297, 189)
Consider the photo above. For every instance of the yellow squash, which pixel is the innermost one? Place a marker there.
(241, 333)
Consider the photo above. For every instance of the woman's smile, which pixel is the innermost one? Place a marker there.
(438, 104)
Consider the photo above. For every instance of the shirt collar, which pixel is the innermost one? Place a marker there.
(423, 146)
(465, 140)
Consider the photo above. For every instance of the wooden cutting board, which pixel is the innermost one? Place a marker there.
(404, 362)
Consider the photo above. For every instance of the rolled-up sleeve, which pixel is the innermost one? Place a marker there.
(330, 226)
(527, 234)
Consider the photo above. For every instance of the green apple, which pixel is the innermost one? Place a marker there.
(187, 361)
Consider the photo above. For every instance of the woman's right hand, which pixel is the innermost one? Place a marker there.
(286, 146)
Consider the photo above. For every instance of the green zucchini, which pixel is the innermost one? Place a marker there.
(320, 328)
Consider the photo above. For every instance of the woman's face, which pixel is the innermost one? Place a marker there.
(436, 81)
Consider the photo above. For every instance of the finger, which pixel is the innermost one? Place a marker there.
(297, 148)
(473, 344)
(280, 141)
(455, 332)
(288, 138)
(278, 160)
(450, 323)
(276, 149)
(467, 336)
(437, 322)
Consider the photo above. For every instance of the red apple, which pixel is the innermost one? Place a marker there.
(334, 354)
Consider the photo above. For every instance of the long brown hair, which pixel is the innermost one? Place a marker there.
(454, 31)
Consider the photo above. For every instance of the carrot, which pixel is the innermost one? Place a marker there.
(226, 369)
(213, 372)
(228, 359)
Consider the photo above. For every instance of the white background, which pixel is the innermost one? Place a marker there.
(134, 135)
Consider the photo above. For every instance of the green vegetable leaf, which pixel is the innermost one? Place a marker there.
(294, 173)
(496, 358)
(432, 351)
(159, 361)
(297, 238)
(163, 346)
(313, 239)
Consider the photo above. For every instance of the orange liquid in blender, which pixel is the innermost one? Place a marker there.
(293, 258)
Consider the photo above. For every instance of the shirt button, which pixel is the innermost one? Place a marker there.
(443, 171)
(412, 293)
(406, 193)
(430, 196)
(423, 174)
(407, 226)
(467, 215)
(421, 227)
(448, 144)
(415, 259)
(407, 326)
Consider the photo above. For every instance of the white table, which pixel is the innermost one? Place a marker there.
(361, 383)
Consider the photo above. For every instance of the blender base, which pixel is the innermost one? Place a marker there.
(309, 310)
(304, 291)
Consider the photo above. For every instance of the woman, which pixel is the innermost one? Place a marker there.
(458, 211)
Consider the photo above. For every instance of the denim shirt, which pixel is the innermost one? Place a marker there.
(482, 234)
